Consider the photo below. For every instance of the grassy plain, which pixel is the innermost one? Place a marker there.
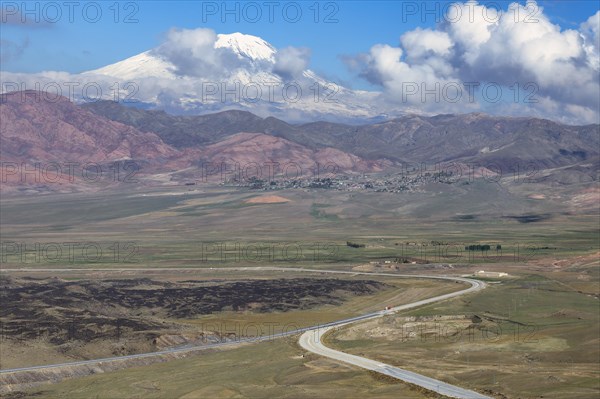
(215, 227)
(546, 247)
(531, 336)
(268, 370)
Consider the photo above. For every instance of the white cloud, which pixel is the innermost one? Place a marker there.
(590, 32)
(469, 24)
(290, 62)
(420, 43)
(518, 45)
(193, 53)
(421, 74)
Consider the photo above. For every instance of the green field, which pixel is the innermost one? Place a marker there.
(535, 336)
(266, 370)
(552, 288)
(214, 226)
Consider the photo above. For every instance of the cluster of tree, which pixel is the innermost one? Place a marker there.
(481, 247)
(354, 245)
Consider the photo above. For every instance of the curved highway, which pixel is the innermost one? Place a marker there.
(311, 341)
(311, 336)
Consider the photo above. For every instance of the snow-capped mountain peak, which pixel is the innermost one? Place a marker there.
(151, 64)
(248, 46)
(200, 79)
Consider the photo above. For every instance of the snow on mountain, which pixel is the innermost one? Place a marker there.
(152, 64)
(249, 83)
(249, 46)
(139, 66)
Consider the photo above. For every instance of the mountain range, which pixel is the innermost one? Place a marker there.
(35, 130)
(470, 138)
(50, 134)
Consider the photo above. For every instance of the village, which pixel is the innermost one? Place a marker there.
(389, 183)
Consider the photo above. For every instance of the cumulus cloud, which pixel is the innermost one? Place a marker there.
(431, 70)
(290, 62)
(590, 32)
(517, 45)
(421, 43)
(193, 53)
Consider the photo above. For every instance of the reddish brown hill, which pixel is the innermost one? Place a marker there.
(259, 148)
(34, 129)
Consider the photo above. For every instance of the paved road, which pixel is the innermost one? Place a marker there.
(311, 336)
(311, 341)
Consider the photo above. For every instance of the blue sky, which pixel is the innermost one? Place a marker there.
(82, 45)
(538, 59)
